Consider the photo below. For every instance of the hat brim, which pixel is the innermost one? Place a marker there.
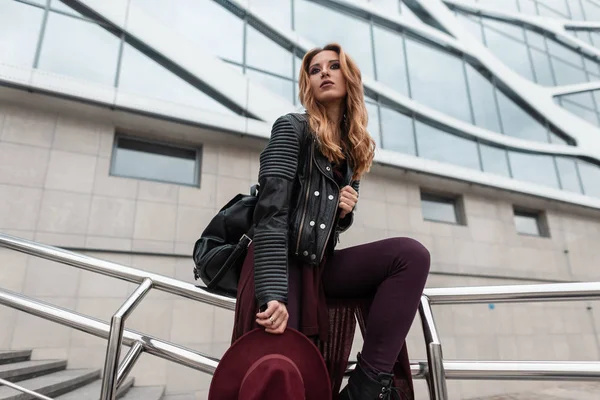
(226, 381)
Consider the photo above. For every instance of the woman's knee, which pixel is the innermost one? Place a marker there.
(413, 253)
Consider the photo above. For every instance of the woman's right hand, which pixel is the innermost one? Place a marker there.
(274, 319)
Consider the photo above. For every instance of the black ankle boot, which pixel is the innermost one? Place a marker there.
(363, 387)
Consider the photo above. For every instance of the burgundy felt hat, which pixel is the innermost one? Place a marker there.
(263, 366)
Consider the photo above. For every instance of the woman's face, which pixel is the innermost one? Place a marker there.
(326, 79)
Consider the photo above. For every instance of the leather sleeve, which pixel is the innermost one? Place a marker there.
(346, 222)
(278, 165)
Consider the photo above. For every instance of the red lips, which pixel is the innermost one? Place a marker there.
(326, 82)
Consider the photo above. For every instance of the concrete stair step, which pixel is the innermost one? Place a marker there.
(11, 356)
(145, 393)
(22, 370)
(179, 397)
(52, 385)
(92, 391)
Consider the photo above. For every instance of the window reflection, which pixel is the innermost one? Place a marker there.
(278, 13)
(511, 52)
(265, 54)
(566, 73)
(483, 101)
(438, 145)
(142, 76)
(494, 160)
(583, 112)
(282, 87)
(397, 131)
(322, 25)
(204, 23)
(373, 127)
(590, 177)
(79, 49)
(535, 168)
(567, 172)
(429, 71)
(390, 59)
(517, 122)
(542, 68)
(19, 33)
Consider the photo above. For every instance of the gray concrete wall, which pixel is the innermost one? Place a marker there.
(55, 188)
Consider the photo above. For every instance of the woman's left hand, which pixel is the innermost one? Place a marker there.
(348, 199)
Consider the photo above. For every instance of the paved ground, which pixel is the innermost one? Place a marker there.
(566, 391)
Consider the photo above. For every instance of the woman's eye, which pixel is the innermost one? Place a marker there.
(314, 71)
(335, 66)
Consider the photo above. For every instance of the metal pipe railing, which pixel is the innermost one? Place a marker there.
(23, 390)
(436, 377)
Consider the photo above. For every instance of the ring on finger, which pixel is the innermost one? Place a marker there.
(272, 320)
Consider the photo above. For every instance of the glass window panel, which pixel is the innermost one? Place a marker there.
(390, 61)
(527, 224)
(282, 87)
(517, 122)
(596, 94)
(373, 127)
(204, 23)
(438, 210)
(511, 52)
(527, 7)
(19, 33)
(279, 12)
(565, 53)
(582, 35)
(535, 168)
(542, 67)
(322, 25)
(567, 74)
(494, 160)
(60, 6)
(567, 171)
(79, 49)
(392, 6)
(408, 13)
(397, 131)
(591, 66)
(582, 112)
(535, 39)
(557, 139)
(557, 5)
(265, 54)
(576, 10)
(583, 98)
(428, 71)
(297, 66)
(545, 11)
(511, 30)
(592, 11)
(472, 24)
(595, 38)
(484, 103)
(590, 176)
(142, 76)
(438, 145)
(144, 160)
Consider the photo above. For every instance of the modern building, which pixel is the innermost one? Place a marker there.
(126, 124)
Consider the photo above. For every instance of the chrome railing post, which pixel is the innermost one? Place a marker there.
(115, 337)
(128, 362)
(435, 360)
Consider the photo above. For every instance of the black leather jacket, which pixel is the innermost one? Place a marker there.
(297, 210)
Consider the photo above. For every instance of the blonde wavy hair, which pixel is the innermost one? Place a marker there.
(358, 144)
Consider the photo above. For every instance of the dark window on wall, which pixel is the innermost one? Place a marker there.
(155, 161)
(531, 223)
(442, 208)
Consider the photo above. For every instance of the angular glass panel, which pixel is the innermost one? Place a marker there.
(546, 11)
(494, 160)
(517, 122)
(322, 25)
(373, 127)
(472, 24)
(80, 49)
(535, 39)
(265, 54)
(279, 12)
(582, 35)
(582, 112)
(592, 11)
(555, 138)
(535, 168)
(438, 145)
(391, 6)
(583, 98)
(482, 98)
(397, 131)
(142, 76)
(506, 28)
(567, 74)
(592, 66)
(282, 87)
(565, 53)
(542, 67)
(595, 38)
(297, 66)
(528, 7)
(428, 71)
(408, 13)
(19, 33)
(390, 61)
(576, 11)
(511, 52)
(138, 159)
(590, 176)
(204, 23)
(567, 172)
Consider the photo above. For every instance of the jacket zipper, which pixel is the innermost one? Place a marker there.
(334, 213)
(306, 197)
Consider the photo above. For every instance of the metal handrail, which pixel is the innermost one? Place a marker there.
(436, 370)
(23, 390)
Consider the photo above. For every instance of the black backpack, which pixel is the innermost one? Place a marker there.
(222, 247)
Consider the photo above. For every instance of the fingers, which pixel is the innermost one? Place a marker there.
(274, 318)
(272, 306)
(279, 329)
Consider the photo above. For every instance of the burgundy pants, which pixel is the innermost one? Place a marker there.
(393, 272)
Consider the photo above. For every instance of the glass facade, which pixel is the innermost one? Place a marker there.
(53, 37)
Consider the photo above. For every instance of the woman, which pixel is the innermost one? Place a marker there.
(292, 276)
